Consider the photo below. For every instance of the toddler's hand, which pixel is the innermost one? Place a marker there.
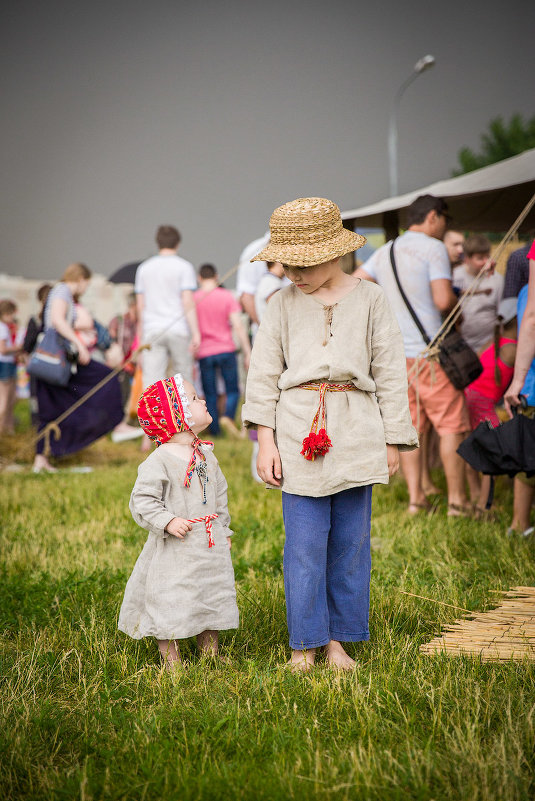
(229, 540)
(178, 527)
(392, 458)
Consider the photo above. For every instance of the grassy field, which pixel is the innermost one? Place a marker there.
(88, 713)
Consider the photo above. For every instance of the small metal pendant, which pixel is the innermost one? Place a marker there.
(202, 471)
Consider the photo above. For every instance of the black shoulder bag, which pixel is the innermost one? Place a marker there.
(460, 363)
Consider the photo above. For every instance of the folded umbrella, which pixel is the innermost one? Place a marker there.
(507, 449)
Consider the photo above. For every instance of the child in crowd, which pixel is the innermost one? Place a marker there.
(480, 308)
(182, 584)
(270, 283)
(9, 350)
(33, 329)
(327, 391)
(482, 395)
(219, 318)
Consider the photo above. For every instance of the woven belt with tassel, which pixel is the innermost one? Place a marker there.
(207, 520)
(318, 441)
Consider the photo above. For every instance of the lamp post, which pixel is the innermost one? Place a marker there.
(421, 65)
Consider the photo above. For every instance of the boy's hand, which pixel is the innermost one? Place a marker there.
(268, 462)
(178, 527)
(229, 540)
(392, 458)
(268, 465)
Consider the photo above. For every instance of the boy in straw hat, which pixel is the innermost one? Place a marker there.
(327, 391)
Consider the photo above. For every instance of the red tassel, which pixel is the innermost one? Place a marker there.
(316, 445)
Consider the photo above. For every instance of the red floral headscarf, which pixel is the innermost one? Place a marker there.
(163, 409)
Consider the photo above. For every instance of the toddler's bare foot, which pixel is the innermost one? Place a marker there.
(337, 658)
(208, 642)
(170, 654)
(302, 661)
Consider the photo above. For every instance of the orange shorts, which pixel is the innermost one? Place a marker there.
(439, 403)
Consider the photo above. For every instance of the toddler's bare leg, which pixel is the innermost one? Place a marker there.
(170, 653)
(302, 660)
(337, 657)
(208, 642)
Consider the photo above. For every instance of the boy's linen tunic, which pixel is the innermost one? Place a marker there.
(364, 346)
(179, 588)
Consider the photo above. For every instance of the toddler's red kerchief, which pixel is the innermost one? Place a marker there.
(163, 409)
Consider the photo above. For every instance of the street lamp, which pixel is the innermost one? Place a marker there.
(421, 65)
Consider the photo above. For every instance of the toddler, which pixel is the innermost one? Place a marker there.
(9, 350)
(327, 391)
(182, 584)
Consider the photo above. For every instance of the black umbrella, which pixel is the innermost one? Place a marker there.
(507, 449)
(125, 274)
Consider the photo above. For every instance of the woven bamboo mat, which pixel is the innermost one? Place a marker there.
(498, 635)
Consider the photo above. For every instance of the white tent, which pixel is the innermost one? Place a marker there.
(489, 199)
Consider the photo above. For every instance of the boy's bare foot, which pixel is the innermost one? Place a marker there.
(337, 658)
(302, 661)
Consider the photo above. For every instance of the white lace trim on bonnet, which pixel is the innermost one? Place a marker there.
(179, 381)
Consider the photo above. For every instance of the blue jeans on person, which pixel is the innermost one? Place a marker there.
(327, 565)
(228, 364)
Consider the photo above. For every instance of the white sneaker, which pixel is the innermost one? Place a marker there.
(512, 532)
(124, 435)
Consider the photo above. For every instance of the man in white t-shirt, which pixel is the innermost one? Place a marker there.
(424, 271)
(166, 310)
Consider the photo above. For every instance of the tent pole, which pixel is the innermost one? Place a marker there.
(391, 224)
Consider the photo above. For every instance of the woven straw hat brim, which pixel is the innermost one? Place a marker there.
(307, 255)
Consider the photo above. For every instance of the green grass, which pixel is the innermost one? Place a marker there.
(88, 714)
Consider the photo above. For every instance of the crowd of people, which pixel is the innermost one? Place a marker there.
(195, 327)
(339, 393)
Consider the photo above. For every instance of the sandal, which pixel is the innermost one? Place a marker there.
(458, 510)
(482, 513)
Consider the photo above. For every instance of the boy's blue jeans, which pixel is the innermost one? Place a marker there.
(228, 364)
(327, 565)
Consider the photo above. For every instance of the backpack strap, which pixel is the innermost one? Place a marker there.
(413, 314)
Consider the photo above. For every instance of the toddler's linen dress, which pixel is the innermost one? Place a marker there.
(179, 588)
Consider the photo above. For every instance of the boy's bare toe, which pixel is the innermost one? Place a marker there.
(301, 661)
(336, 657)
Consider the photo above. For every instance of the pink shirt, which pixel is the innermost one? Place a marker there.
(531, 254)
(486, 383)
(213, 313)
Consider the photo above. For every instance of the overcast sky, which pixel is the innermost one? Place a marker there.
(121, 115)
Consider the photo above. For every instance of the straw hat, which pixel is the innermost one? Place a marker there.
(308, 231)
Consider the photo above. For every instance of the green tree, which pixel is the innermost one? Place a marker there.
(502, 141)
